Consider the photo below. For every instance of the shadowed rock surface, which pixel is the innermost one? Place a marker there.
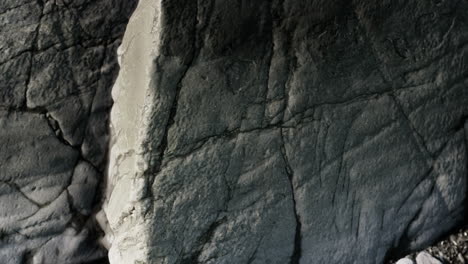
(57, 65)
(288, 131)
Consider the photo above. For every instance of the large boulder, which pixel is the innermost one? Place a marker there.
(57, 64)
(288, 131)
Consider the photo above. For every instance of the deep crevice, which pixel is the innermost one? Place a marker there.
(297, 252)
(465, 203)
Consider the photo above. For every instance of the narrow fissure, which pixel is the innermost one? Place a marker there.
(297, 252)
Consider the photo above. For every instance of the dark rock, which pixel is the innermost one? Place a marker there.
(288, 131)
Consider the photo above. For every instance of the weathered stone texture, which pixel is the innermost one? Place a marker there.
(57, 65)
(288, 131)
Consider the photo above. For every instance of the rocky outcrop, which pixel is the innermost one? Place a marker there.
(57, 64)
(288, 131)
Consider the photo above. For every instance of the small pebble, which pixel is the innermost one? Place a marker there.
(461, 259)
(426, 258)
(453, 239)
(441, 255)
(405, 261)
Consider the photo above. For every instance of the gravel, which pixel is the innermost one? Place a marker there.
(451, 250)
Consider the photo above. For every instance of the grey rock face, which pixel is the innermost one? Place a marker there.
(57, 65)
(288, 131)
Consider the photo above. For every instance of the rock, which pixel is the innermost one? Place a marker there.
(287, 131)
(404, 261)
(83, 187)
(56, 58)
(426, 258)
